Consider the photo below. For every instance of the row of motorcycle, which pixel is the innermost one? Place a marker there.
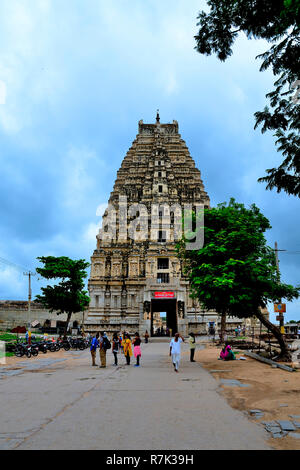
(43, 347)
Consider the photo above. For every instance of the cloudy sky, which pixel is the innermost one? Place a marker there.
(75, 79)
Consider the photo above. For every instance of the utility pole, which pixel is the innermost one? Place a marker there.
(281, 320)
(29, 274)
(277, 263)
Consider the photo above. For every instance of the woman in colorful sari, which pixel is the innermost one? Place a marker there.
(227, 354)
(127, 348)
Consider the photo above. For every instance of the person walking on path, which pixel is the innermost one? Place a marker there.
(94, 346)
(123, 341)
(115, 347)
(127, 348)
(137, 349)
(102, 351)
(192, 343)
(146, 337)
(175, 350)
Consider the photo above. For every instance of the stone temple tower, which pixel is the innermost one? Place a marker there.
(136, 282)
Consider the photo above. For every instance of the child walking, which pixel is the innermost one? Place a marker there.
(137, 349)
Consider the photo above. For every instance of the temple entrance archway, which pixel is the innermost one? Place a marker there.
(163, 317)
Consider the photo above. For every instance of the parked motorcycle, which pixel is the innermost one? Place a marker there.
(23, 349)
(42, 346)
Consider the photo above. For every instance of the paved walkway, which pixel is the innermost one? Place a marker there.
(67, 404)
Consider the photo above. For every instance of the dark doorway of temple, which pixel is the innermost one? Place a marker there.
(163, 317)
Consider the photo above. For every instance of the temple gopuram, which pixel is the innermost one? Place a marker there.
(137, 281)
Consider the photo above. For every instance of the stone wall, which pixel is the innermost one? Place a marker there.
(15, 313)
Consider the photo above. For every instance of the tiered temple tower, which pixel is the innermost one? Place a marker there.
(132, 280)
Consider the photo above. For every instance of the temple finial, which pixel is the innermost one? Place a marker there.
(157, 117)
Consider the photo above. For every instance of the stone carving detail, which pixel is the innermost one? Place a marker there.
(124, 298)
(99, 270)
(151, 267)
(125, 267)
(168, 130)
(133, 269)
(175, 268)
(147, 130)
(107, 266)
(116, 269)
(180, 309)
(107, 297)
(142, 268)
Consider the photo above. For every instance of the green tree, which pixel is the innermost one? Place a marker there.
(235, 271)
(69, 295)
(278, 22)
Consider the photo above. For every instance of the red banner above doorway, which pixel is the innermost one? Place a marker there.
(164, 295)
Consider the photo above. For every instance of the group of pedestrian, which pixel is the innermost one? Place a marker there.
(239, 331)
(160, 331)
(120, 344)
(102, 342)
(123, 344)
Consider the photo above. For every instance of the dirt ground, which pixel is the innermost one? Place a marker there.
(270, 389)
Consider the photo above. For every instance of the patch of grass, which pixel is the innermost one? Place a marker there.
(8, 354)
(9, 337)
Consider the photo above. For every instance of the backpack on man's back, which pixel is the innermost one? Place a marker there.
(106, 344)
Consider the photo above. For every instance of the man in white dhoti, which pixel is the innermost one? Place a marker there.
(175, 350)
